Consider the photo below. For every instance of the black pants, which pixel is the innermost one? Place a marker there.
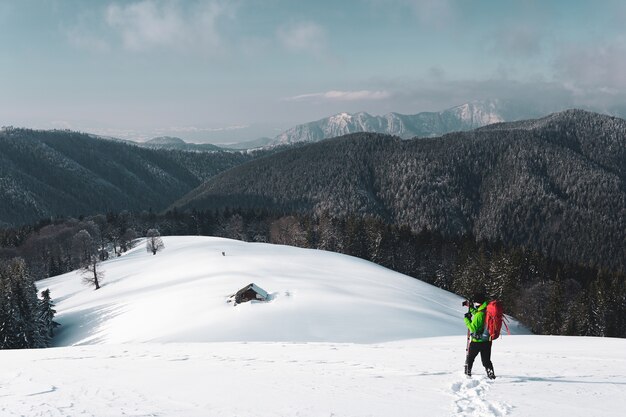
(484, 348)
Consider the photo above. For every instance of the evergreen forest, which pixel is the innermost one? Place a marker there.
(534, 212)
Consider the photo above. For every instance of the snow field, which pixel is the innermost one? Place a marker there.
(179, 295)
(341, 337)
(545, 376)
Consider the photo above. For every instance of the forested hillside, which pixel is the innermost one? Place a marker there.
(53, 173)
(534, 211)
(556, 185)
(548, 296)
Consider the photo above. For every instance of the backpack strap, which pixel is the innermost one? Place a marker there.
(504, 320)
(478, 335)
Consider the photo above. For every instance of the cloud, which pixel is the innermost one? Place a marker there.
(520, 98)
(412, 95)
(154, 24)
(307, 37)
(594, 66)
(433, 93)
(335, 95)
(517, 99)
(147, 24)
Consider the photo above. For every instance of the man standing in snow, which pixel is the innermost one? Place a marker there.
(475, 322)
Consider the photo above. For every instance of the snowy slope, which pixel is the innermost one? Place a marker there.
(341, 337)
(538, 376)
(179, 295)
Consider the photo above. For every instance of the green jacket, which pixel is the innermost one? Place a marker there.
(476, 326)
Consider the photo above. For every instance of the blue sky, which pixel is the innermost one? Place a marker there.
(215, 70)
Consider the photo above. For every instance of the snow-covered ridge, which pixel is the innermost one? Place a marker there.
(478, 115)
(464, 117)
(180, 294)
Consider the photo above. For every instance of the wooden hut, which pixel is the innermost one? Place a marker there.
(251, 292)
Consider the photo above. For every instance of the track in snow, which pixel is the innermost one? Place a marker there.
(472, 399)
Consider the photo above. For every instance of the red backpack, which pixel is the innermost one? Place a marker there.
(494, 318)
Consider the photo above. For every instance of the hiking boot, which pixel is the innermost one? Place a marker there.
(468, 371)
(490, 373)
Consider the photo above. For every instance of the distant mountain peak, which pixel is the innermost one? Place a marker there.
(466, 116)
(166, 140)
(341, 118)
(478, 113)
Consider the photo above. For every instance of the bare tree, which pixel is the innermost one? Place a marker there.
(154, 243)
(85, 252)
(91, 272)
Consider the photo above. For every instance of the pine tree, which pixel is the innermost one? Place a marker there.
(46, 313)
(504, 273)
(18, 308)
(599, 306)
(554, 320)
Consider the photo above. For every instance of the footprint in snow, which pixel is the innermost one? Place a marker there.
(472, 400)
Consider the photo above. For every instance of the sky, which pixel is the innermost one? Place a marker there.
(223, 71)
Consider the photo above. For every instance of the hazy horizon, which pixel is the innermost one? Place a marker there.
(225, 71)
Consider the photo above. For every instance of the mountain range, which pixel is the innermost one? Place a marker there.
(556, 184)
(516, 182)
(467, 116)
(464, 117)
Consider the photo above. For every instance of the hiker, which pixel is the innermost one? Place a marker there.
(480, 339)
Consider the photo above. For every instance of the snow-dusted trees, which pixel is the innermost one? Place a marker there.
(102, 241)
(44, 170)
(127, 240)
(288, 231)
(83, 247)
(329, 237)
(233, 227)
(45, 315)
(56, 247)
(154, 243)
(20, 323)
(544, 293)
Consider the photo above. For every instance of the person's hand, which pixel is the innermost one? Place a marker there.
(468, 315)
